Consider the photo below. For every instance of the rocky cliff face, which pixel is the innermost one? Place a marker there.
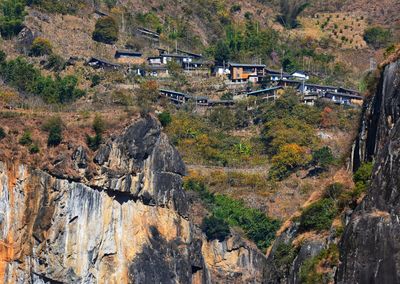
(122, 219)
(370, 247)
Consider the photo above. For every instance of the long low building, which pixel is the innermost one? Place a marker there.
(343, 98)
(182, 98)
(268, 92)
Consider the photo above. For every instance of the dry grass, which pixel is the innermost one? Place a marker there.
(345, 29)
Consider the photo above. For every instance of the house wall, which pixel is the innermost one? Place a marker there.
(131, 60)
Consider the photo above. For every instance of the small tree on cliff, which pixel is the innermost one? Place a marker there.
(54, 127)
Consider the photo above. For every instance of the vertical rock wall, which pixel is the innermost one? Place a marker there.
(370, 247)
(126, 221)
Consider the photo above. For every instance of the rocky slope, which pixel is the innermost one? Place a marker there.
(370, 245)
(124, 219)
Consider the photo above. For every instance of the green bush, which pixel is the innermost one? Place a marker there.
(12, 14)
(54, 127)
(3, 57)
(96, 79)
(98, 126)
(334, 190)
(309, 272)
(2, 133)
(55, 63)
(323, 157)
(165, 118)
(318, 216)
(26, 138)
(215, 228)
(377, 36)
(283, 259)
(362, 177)
(40, 47)
(257, 226)
(25, 77)
(236, 8)
(34, 149)
(106, 30)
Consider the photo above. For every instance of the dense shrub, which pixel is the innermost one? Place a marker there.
(334, 190)
(289, 158)
(96, 79)
(377, 36)
(12, 14)
(283, 259)
(3, 57)
(106, 30)
(98, 126)
(257, 227)
(26, 138)
(236, 8)
(215, 228)
(323, 157)
(362, 177)
(55, 63)
(41, 46)
(2, 133)
(165, 118)
(24, 76)
(34, 149)
(328, 258)
(54, 127)
(318, 216)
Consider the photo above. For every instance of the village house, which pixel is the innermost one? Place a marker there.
(129, 57)
(286, 83)
(175, 97)
(343, 99)
(191, 54)
(348, 91)
(149, 34)
(275, 75)
(314, 88)
(246, 72)
(310, 98)
(299, 75)
(154, 60)
(96, 62)
(157, 71)
(272, 92)
(220, 71)
(178, 58)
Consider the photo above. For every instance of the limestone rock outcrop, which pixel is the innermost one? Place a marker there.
(124, 222)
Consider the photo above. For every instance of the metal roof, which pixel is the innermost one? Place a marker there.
(128, 51)
(254, 93)
(345, 95)
(246, 65)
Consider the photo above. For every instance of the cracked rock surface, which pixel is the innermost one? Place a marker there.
(128, 223)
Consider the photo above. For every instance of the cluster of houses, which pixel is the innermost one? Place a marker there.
(156, 66)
